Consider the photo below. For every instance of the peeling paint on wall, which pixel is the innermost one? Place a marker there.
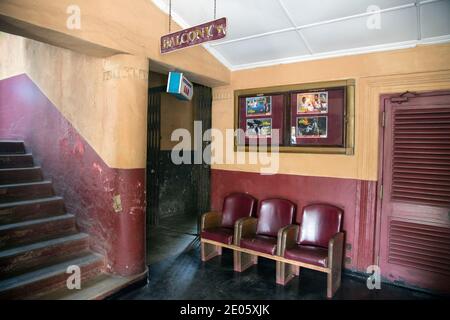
(92, 190)
(117, 204)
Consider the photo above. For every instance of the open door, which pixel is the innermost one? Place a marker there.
(177, 194)
(415, 205)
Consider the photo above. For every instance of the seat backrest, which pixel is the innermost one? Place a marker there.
(236, 206)
(273, 214)
(318, 224)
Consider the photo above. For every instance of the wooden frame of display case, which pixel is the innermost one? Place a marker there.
(348, 116)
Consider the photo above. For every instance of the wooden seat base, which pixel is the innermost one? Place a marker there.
(286, 269)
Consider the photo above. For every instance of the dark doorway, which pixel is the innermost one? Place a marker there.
(177, 194)
(415, 177)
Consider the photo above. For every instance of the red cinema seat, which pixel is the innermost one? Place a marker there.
(260, 234)
(315, 243)
(219, 227)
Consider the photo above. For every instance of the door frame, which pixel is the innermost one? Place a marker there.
(381, 144)
(153, 216)
(368, 93)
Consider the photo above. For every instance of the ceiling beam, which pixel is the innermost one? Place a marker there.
(299, 32)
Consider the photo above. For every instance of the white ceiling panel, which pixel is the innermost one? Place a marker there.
(307, 12)
(395, 26)
(265, 32)
(270, 47)
(435, 19)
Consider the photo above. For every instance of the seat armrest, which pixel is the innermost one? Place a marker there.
(336, 250)
(286, 239)
(244, 228)
(211, 220)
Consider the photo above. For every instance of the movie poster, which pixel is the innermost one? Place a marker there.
(316, 102)
(258, 106)
(261, 127)
(312, 127)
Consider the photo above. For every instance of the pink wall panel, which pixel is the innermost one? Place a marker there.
(87, 184)
(303, 190)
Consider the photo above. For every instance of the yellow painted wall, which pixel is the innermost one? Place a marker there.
(124, 28)
(422, 68)
(132, 27)
(97, 96)
(175, 114)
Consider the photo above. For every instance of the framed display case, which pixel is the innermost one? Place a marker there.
(311, 118)
(259, 115)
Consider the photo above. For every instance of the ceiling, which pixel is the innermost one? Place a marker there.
(267, 32)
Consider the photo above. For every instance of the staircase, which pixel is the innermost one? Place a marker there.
(39, 240)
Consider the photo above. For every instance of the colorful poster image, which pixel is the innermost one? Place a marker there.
(258, 106)
(312, 127)
(261, 127)
(316, 102)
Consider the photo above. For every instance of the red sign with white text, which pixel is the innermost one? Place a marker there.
(209, 31)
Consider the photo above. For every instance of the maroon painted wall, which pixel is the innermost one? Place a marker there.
(87, 184)
(354, 196)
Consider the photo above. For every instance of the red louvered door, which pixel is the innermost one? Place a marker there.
(415, 205)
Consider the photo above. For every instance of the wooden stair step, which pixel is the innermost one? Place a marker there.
(36, 230)
(17, 211)
(20, 175)
(99, 287)
(40, 254)
(16, 160)
(39, 240)
(35, 283)
(25, 191)
(11, 146)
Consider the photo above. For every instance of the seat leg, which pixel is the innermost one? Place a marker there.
(333, 281)
(243, 261)
(209, 251)
(296, 270)
(286, 272)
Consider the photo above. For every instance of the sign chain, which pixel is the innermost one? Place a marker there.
(170, 13)
(170, 16)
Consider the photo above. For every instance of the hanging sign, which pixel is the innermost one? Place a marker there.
(209, 31)
(179, 86)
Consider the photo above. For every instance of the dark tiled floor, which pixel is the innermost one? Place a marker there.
(171, 237)
(186, 277)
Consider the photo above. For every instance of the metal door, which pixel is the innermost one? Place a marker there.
(153, 149)
(202, 172)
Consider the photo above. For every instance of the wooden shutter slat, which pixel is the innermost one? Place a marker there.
(434, 110)
(421, 187)
(423, 182)
(421, 178)
(419, 246)
(420, 165)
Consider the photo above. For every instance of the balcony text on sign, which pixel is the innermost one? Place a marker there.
(209, 31)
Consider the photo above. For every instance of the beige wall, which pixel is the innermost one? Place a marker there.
(136, 29)
(422, 68)
(133, 27)
(175, 114)
(104, 99)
